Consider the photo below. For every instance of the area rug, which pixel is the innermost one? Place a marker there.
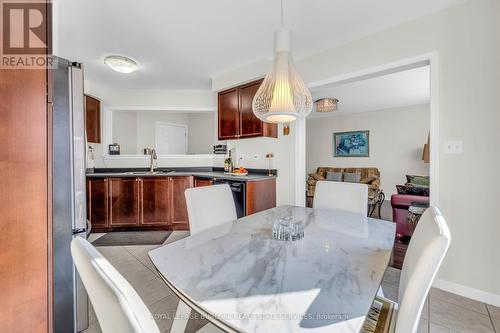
(127, 238)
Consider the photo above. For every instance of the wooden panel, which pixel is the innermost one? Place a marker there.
(199, 182)
(261, 195)
(97, 202)
(250, 125)
(228, 115)
(179, 216)
(93, 119)
(24, 196)
(124, 202)
(155, 204)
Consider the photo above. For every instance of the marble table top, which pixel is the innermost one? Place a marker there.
(247, 282)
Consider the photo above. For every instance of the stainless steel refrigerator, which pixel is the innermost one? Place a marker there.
(68, 193)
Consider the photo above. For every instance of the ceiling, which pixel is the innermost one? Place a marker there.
(409, 87)
(183, 43)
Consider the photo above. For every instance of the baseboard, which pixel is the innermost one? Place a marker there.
(475, 294)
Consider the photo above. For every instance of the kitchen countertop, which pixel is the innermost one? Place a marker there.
(201, 174)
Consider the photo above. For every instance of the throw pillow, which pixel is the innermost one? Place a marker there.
(353, 177)
(418, 180)
(413, 189)
(334, 176)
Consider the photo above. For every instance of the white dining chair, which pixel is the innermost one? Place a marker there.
(427, 249)
(351, 197)
(117, 305)
(209, 206)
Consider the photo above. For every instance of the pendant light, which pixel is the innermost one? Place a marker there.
(282, 97)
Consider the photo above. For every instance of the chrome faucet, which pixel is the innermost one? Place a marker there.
(152, 163)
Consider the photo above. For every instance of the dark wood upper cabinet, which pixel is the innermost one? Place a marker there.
(235, 115)
(229, 123)
(178, 215)
(93, 119)
(154, 201)
(97, 202)
(124, 202)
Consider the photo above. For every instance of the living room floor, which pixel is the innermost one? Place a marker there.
(443, 312)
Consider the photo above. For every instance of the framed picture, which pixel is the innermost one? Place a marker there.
(351, 144)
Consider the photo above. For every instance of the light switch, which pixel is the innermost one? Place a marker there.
(454, 147)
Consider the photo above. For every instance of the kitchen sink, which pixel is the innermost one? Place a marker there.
(143, 173)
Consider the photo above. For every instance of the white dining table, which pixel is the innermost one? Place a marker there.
(243, 280)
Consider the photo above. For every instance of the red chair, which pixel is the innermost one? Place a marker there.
(400, 204)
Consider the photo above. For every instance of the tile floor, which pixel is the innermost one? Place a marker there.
(443, 312)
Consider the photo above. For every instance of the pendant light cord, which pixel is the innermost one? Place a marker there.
(282, 16)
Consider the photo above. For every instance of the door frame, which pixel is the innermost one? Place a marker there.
(431, 59)
(172, 124)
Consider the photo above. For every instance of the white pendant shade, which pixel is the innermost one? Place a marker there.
(283, 96)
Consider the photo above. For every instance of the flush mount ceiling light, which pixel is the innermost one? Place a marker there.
(326, 105)
(283, 96)
(121, 64)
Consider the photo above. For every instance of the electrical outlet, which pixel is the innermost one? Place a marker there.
(256, 157)
(454, 147)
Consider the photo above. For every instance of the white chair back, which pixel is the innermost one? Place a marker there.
(351, 197)
(117, 305)
(428, 246)
(209, 206)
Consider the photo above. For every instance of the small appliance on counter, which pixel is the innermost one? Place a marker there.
(114, 149)
(220, 149)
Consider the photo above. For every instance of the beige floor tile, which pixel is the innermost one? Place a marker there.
(152, 291)
(496, 323)
(436, 328)
(423, 326)
(457, 318)
(425, 310)
(164, 311)
(458, 300)
(141, 254)
(176, 235)
(136, 273)
(95, 235)
(93, 323)
(494, 311)
(112, 252)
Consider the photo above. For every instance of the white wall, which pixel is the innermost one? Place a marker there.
(202, 133)
(146, 126)
(125, 131)
(397, 138)
(467, 38)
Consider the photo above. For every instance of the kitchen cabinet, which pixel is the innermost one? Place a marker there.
(97, 202)
(93, 119)
(261, 195)
(124, 202)
(199, 182)
(235, 115)
(155, 201)
(179, 216)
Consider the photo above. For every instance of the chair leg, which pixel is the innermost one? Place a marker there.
(181, 318)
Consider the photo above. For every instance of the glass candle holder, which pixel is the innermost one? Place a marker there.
(287, 229)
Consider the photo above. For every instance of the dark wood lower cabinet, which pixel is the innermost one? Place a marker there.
(123, 202)
(97, 202)
(179, 216)
(155, 202)
(158, 203)
(199, 182)
(261, 195)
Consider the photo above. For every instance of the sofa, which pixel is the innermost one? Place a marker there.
(369, 176)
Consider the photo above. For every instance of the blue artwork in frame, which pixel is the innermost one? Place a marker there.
(351, 144)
